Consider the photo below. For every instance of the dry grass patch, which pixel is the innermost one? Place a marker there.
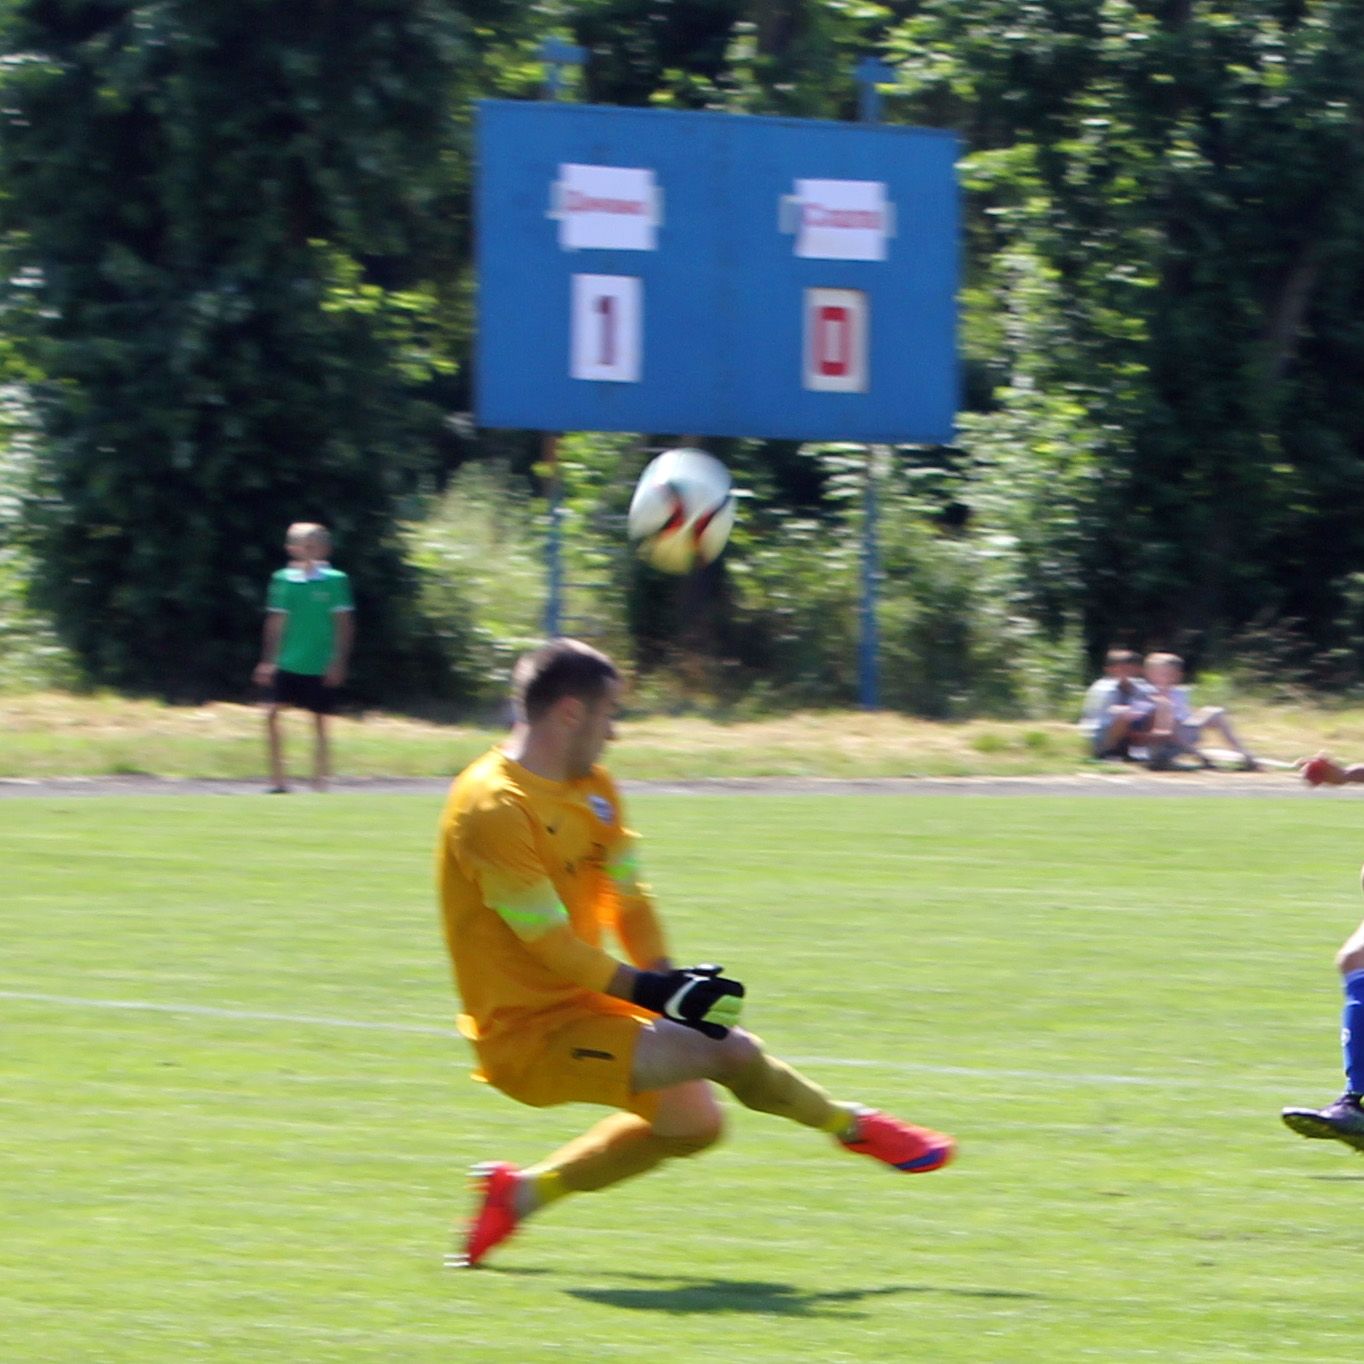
(57, 734)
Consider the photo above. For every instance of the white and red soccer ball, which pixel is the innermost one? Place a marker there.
(682, 511)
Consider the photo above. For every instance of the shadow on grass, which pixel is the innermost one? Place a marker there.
(675, 1294)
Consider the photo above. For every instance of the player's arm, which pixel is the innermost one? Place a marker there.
(515, 884)
(698, 996)
(637, 923)
(1092, 709)
(533, 911)
(272, 632)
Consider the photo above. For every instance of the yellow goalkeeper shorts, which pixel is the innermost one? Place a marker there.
(586, 1059)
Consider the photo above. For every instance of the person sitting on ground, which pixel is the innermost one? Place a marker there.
(1176, 727)
(1118, 707)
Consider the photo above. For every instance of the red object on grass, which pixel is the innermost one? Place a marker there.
(1314, 771)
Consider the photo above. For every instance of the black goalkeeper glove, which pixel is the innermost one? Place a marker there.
(697, 996)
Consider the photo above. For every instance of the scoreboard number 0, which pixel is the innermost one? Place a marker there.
(835, 341)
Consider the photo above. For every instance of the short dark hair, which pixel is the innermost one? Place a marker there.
(565, 667)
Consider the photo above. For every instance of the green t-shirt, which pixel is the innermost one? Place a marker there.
(309, 603)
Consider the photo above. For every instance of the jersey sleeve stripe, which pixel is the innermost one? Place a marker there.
(624, 868)
(533, 912)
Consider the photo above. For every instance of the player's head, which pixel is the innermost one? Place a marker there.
(307, 540)
(570, 692)
(1164, 670)
(1121, 663)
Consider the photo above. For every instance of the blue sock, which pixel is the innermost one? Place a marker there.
(1352, 1032)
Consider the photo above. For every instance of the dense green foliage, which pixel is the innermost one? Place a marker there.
(203, 197)
(1166, 278)
(238, 245)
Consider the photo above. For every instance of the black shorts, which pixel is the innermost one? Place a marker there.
(304, 690)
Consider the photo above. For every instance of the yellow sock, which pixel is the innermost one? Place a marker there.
(842, 1122)
(617, 1148)
(549, 1187)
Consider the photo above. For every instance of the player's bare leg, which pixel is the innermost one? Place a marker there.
(1215, 718)
(668, 1053)
(322, 754)
(274, 739)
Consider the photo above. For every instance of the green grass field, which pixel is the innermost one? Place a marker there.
(234, 1126)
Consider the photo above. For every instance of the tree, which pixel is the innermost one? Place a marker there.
(1189, 177)
(222, 207)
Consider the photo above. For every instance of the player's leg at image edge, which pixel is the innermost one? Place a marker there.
(624, 1145)
(1342, 1120)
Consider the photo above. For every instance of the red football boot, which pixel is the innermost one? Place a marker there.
(915, 1150)
(496, 1217)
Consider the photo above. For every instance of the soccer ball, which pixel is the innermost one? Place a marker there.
(682, 511)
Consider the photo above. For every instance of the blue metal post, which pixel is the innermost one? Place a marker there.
(556, 55)
(868, 653)
(871, 74)
(554, 555)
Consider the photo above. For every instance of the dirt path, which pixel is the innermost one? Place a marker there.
(1245, 785)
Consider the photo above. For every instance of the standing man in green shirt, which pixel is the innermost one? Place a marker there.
(305, 646)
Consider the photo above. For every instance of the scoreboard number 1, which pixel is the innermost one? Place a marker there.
(606, 328)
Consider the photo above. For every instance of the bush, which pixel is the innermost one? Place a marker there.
(32, 658)
(478, 557)
(794, 629)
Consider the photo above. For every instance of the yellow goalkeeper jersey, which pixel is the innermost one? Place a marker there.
(520, 856)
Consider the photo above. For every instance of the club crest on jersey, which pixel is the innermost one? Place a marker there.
(601, 807)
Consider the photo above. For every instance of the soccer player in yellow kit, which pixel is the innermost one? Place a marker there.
(535, 865)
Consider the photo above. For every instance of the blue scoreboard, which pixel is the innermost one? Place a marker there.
(715, 274)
